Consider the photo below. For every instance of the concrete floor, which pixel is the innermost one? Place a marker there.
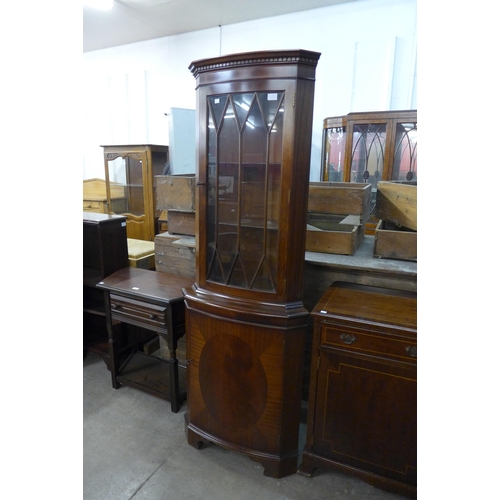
(134, 447)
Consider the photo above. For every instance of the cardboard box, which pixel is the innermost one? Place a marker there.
(393, 242)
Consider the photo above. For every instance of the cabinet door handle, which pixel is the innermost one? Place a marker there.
(411, 350)
(114, 306)
(347, 338)
(152, 316)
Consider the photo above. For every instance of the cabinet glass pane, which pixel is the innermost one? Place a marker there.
(368, 146)
(405, 153)
(127, 173)
(334, 146)
(245, 134)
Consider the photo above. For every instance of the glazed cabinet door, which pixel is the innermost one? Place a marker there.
(245, 146)
(133, 169)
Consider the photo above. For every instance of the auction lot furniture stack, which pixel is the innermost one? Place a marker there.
(176, 196)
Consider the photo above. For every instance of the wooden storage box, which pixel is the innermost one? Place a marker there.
(340, 198)
(393, 242)
(95, 198)
(181, 222)
(397, 203)
(176, 192)
(330, 233)
(141, 253)
(175, 254)
(163, 222)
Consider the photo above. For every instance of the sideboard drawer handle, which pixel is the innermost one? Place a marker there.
(411, 350)
(347, 338)
(152, 316)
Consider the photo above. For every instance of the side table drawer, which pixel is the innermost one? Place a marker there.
(371, 343)
(137, 312)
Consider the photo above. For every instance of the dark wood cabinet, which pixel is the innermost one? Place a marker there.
(362, 416)
(104, 252)
(246, 322)
(148, 301)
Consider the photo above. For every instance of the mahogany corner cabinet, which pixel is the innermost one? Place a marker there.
(246, 323)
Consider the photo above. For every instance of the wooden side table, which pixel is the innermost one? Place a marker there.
(153, 301)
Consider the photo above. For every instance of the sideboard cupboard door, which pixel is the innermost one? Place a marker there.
(246, 322)
(362, 415)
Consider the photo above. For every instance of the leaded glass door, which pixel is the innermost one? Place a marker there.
(245, 142)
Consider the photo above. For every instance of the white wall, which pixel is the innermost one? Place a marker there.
(367, 63)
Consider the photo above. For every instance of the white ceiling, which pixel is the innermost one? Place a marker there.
(138, 20)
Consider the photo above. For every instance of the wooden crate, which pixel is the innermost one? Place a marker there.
(340, 198)
(330, 233)
(392, 242)
(397, 203)
(181, 222)
(175, 254)
(176, 192)
(163, 222)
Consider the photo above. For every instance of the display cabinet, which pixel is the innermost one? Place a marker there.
(333, 149)
(370, 147)
(362, 416)
(133, 168)
(381, 146)
(246, 322)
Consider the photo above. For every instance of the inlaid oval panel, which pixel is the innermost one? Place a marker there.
(232, 381)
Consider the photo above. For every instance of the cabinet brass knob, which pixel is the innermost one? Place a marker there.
(347, 338)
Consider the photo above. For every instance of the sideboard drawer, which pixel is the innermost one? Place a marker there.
(140, 313)
(371, 343)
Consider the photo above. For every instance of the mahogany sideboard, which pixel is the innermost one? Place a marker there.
(362, 416)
